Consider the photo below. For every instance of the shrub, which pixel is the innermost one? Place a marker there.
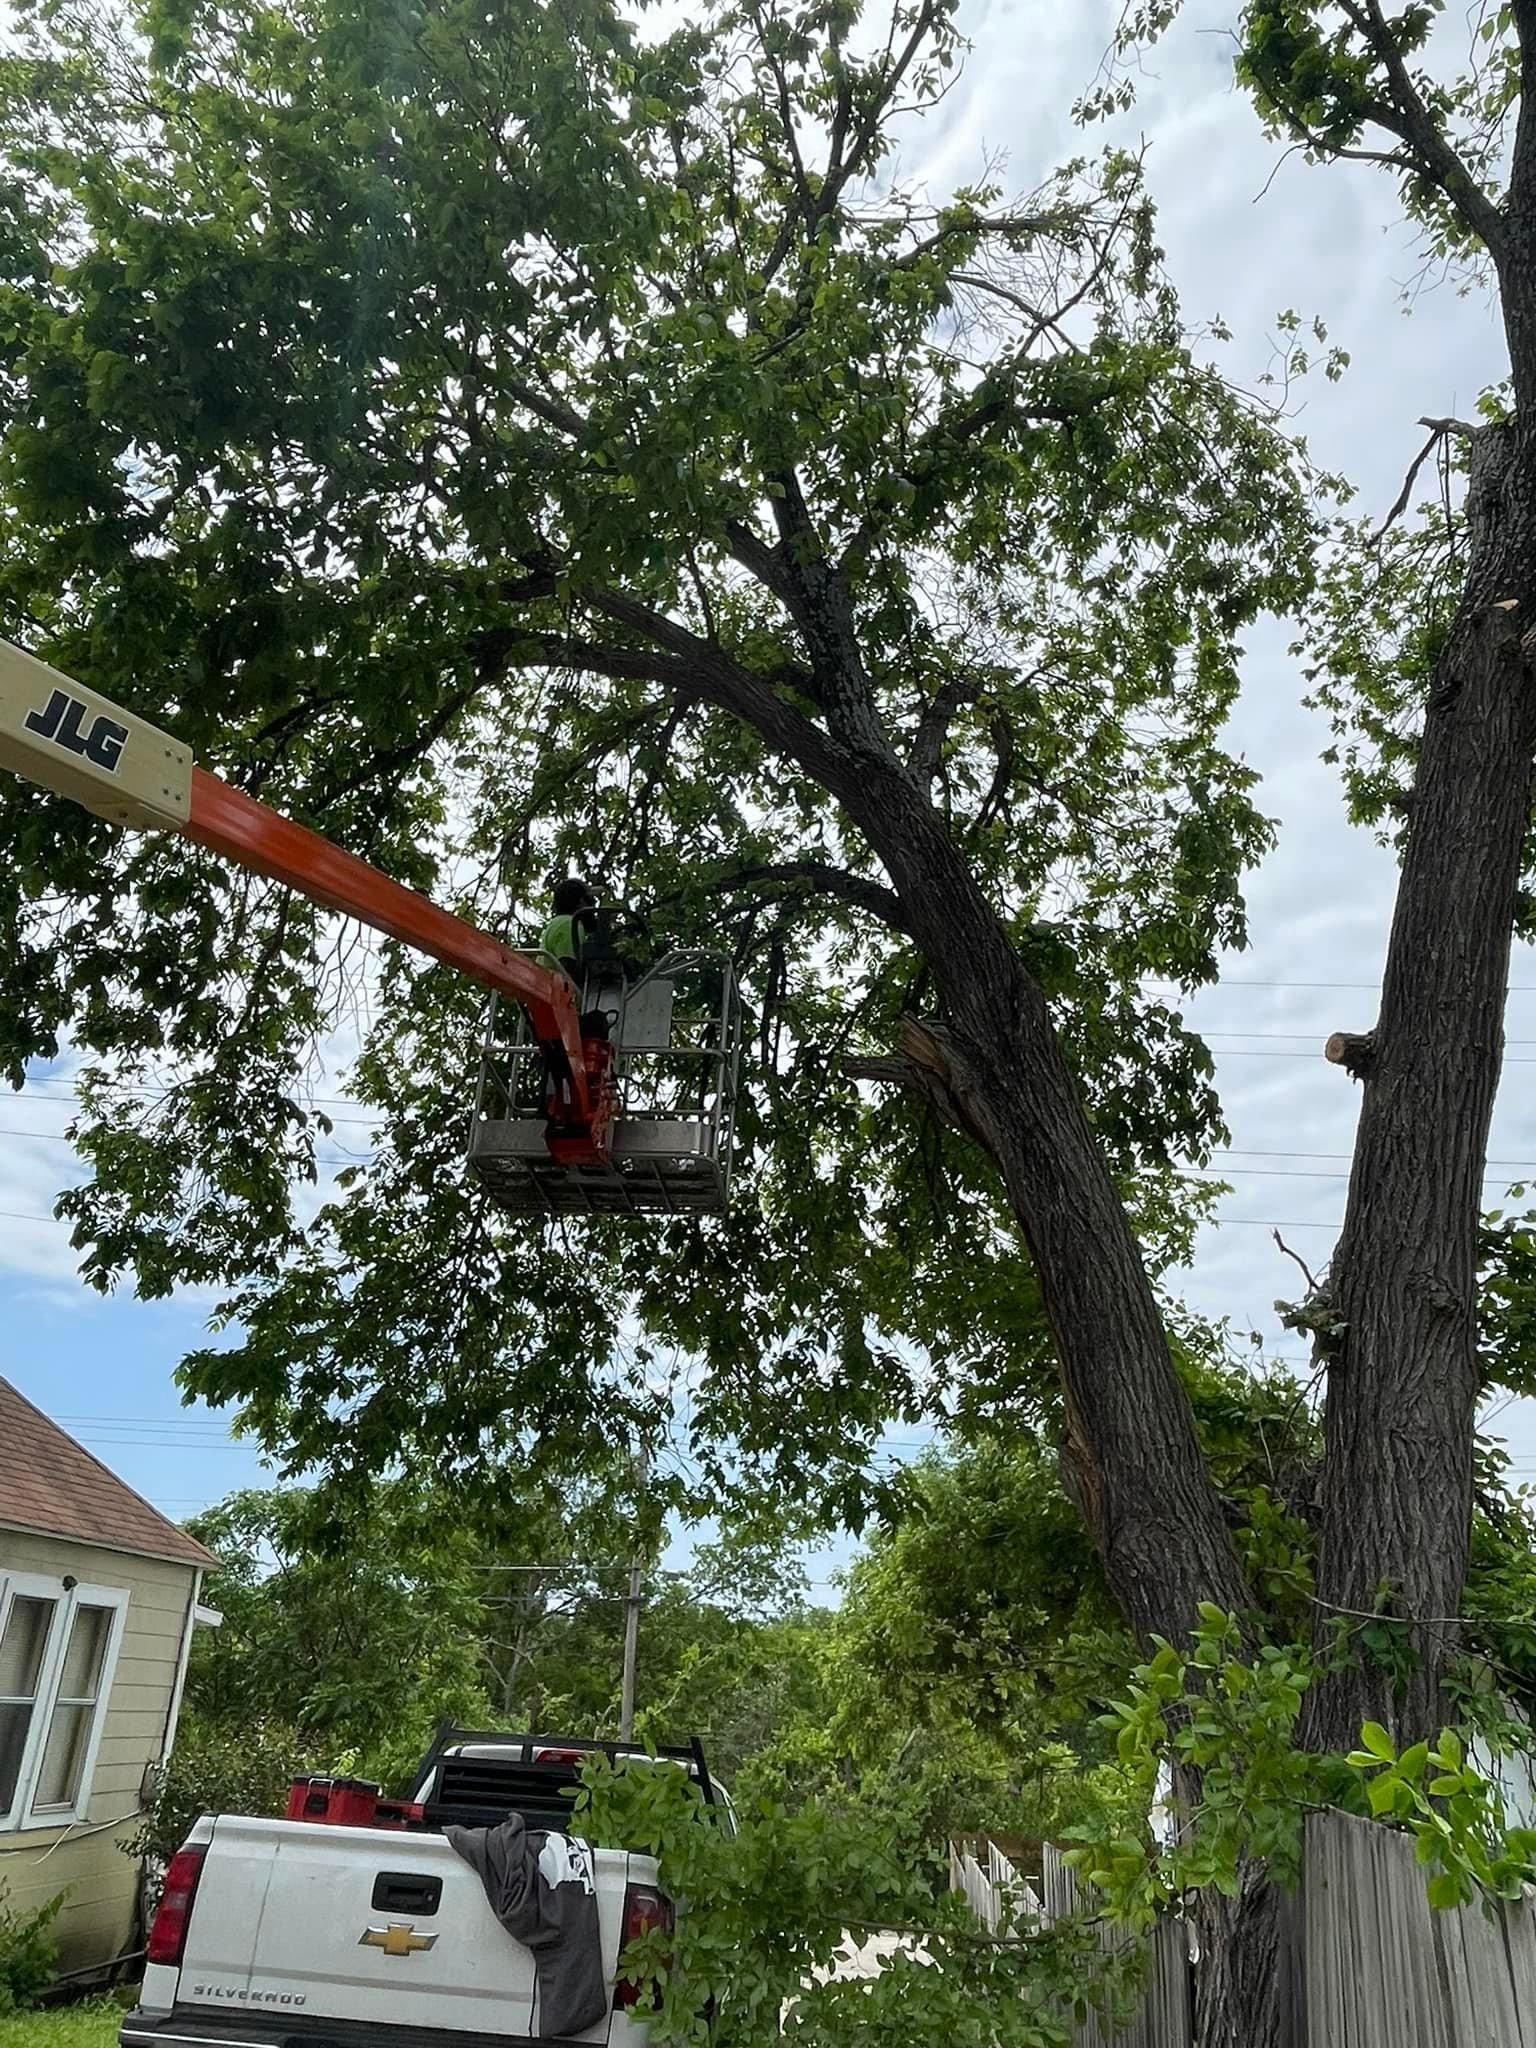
(212, 1771)
(28, 1952)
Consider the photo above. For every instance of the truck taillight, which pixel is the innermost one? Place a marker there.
(168, 1935)
(561, 1756)
(644, 1910)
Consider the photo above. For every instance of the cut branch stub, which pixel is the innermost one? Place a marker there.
(1354, 1051)
(930, 1064)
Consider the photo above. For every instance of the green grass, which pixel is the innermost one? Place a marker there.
(92, 2024)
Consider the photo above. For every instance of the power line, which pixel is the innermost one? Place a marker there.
(1271, 1223)
(1187, 1173)
(1233, 1052)
(1271, 1037)
(63, 1138)
(181, 1420)
(1244, 981)
(160, 1443)
(1293, 1173)
(1257, 1152)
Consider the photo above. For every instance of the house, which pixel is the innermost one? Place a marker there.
(99, 1595)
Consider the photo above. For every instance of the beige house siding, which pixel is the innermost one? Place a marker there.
(98, 1920)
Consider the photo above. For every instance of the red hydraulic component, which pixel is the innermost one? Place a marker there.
(581, 1104)
(579, 1144)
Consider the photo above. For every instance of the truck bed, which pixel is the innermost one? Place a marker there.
(302, 1934)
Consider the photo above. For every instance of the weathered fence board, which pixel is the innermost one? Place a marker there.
(1372, 1964)
(1383, 1970)
(1164, 2019)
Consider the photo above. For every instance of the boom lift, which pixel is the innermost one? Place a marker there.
(565, 1120)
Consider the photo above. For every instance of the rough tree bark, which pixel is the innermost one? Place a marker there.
(1403, 1380)
(1248, 1987)
(1133, 1461)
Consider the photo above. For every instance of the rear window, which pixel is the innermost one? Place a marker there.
(480, 1792)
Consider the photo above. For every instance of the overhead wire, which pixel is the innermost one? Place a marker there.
(1510, 1166)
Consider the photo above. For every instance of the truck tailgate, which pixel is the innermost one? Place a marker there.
(365, 1925)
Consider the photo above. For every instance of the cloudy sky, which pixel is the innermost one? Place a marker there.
(1245, 236)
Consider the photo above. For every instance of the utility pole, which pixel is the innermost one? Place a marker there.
(632, 1606)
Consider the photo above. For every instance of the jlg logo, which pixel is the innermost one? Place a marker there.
(60, 720)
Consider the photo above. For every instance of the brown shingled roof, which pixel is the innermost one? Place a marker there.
(50, 1483)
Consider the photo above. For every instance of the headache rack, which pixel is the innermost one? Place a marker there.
(531, 1775)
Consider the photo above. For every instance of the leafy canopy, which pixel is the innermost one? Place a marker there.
(396, 402)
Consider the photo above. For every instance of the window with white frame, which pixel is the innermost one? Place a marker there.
(58, 1646)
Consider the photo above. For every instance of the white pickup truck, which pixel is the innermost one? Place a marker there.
(293, 1934)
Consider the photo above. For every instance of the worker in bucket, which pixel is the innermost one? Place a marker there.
(574, 910)
(579, 936)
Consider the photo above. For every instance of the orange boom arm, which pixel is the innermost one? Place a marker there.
(69, 739)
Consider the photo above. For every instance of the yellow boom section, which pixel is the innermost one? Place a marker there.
(56, 732)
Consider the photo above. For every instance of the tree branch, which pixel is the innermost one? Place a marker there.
(1001, 730)
(1406, 116)
(828, 879)
(550, 410)
(933, 727)
(814, 591)
(1401, 505)
(842, 168)
(948, 434)
(926, 1066)
(395, 761)
(787, 121)
(1354, 1051)
(504, 647)
(1306, 1270)
(681, 661)
(765, 561)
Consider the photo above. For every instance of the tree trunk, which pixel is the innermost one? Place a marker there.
(1248, 1983)
(1404, 1381)
(1133, 1460)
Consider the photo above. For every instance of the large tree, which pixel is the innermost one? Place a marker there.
(504, 440)
(1425, 648)
(501, 439)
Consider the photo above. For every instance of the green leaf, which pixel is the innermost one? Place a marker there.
(1378, 1742)
(1384, 1795)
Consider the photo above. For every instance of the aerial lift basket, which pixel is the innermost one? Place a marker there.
(676, 1033)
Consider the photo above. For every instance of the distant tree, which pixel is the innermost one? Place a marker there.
(356, 1634)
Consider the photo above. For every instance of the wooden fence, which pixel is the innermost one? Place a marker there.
(994, 1889)
(1383, 1970)
(1165, 2019)
(1380, 1968)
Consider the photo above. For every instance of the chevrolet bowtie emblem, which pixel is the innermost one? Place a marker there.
(396, 1939)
